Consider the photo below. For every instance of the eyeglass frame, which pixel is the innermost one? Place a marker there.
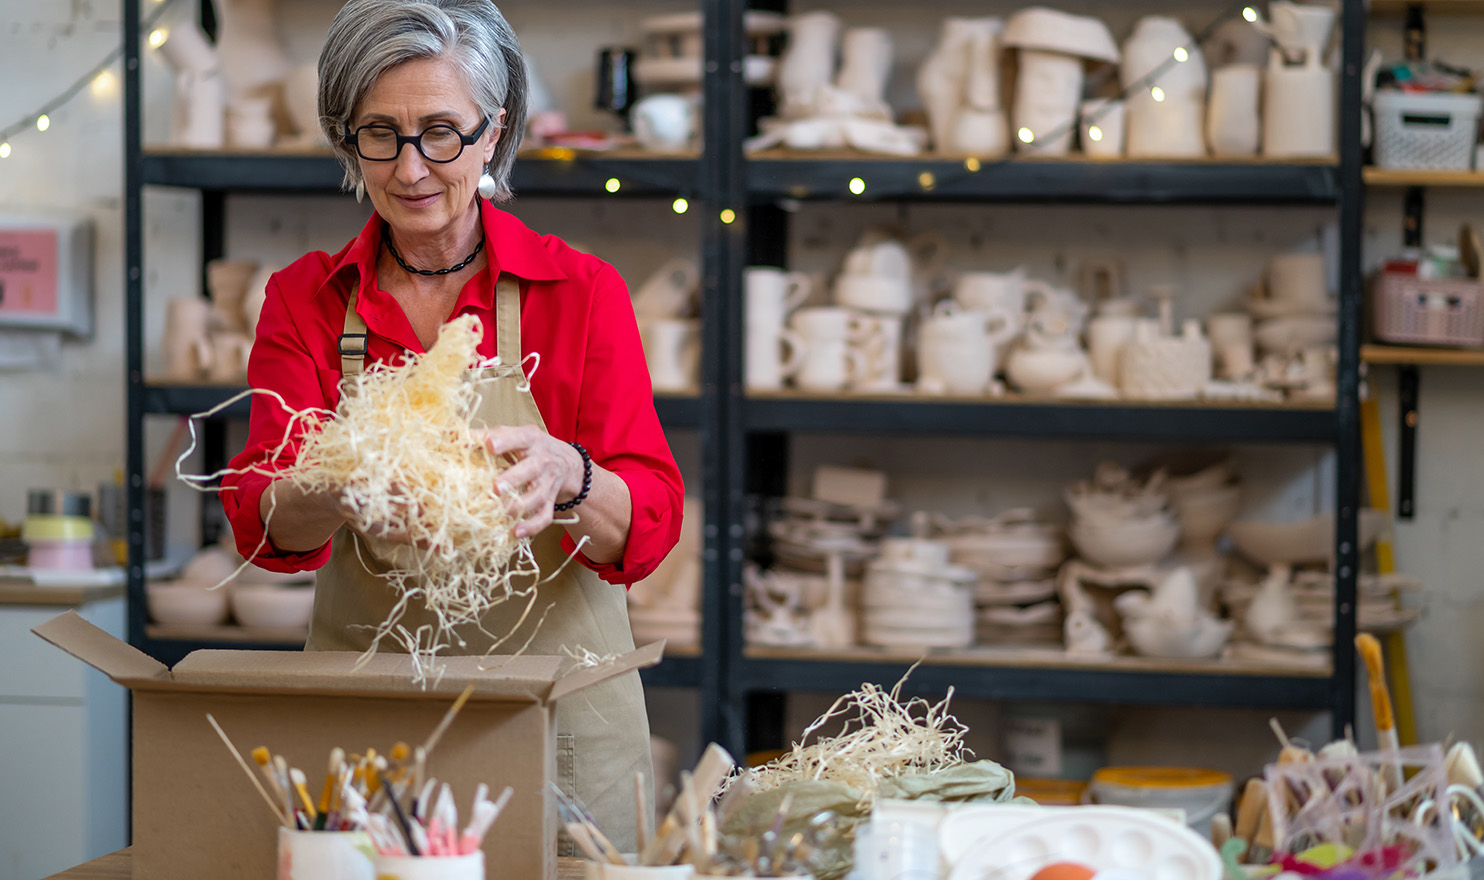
(352, 140)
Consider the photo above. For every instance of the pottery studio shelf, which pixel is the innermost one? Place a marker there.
(562, 173)
(1012, 416)
(1407, 177)
(170, 643)
(1422, 357)
(1037, 674)
(787, 174)
(1444, 7)
(186, 399)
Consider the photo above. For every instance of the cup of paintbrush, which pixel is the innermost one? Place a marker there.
(324, 855)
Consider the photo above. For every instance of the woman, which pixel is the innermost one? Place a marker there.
(417, 99)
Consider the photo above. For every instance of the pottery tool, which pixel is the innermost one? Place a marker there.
(253, 777)
(579, 810)
(641, 821)
(578, 831)
(401, 818)
(264, 760)
(301, 787)
(1370, 652)
(327, 794)
(1290, 753)
(1250, 809)
(711, 771)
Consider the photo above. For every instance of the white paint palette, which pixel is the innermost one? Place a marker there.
(1013, 843)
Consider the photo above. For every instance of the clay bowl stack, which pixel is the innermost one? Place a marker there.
(805, 533)
(1016, 558)
(913, 598)
(1119, 522)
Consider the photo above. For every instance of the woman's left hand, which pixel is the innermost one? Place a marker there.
(546, 471)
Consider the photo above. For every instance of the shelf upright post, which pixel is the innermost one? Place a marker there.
(1347, 393)
(721, 437)
(133, 323)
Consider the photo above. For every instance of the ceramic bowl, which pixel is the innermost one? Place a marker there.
(1042, 548)
(1294, 333)
(991, 593)
(1125, 544)
(211, 566)
(1204, 638)
(185, 602)
(1313, 540)
(268, 605)
(1052, 31)
(1205, 513)
(1038, 614)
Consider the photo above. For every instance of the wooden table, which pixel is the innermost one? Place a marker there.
(120, 866)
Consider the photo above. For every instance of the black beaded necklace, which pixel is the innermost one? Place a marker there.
(386, 236)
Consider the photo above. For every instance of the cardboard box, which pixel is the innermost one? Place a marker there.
(197, 815)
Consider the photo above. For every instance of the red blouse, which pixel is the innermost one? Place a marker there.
(591, 387)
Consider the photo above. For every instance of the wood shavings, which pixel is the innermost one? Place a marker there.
(401, 454)
(882, 738)
(583, 658)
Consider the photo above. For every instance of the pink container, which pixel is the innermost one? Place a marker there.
(69, 554)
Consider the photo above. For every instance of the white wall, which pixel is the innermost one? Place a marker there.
(64, 426)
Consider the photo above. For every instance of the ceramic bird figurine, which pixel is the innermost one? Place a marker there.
(1273, 606)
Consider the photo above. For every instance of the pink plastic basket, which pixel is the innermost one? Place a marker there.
(1428, 311)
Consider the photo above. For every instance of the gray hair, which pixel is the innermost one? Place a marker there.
(369, 37)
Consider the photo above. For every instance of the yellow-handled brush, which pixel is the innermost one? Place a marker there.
(1386, 738)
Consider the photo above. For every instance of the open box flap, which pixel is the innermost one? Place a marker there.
(514, 679)
(584, 677)
(121, 662)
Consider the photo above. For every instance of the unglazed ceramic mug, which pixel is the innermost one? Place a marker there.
(773, 353)
(672, 350)
(771, 293)
(229, 355)
(186, 341)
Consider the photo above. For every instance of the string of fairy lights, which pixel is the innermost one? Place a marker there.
(99, 79)
(102, 81)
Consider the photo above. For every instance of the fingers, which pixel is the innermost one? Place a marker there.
(533, 482)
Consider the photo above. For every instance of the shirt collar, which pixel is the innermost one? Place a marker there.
(511, 245)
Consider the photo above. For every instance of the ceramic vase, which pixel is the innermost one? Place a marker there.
(187, 340)
(1103, 127)
(1048, 91)
(1298, 111)
(253, 61)
(1233, 123)
(865, 64)
(980, 129)
(808, 63)
(198, 120)
(1156, 366)
(1166, 107)
(672, 351)
(301, 100)
(943, 76)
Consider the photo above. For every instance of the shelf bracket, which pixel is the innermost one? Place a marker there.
(1406, 479)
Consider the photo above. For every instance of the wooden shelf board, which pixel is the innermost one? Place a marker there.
(16, 593)
(1012, 398)
(1398, 354)
(1422, 177)
(1445, 7)
(1039, 658)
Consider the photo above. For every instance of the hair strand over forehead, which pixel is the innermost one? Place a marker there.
(369, 37)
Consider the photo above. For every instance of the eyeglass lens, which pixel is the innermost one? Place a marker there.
(438, 143)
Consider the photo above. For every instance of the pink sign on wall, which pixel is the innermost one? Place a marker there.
(28, 271)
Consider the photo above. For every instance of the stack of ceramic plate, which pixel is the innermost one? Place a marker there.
(1313, 595)
(914, 598)
(1016, 558)
(1119, 521)
(805, 533)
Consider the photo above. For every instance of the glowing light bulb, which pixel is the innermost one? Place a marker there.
(104, 84)
(926, 180)
(1157, 93)
(1026, 135)
(1094, 133)
(1249, 13)
(728, 215)
(156, 37)
(43, 122)
(1181, 55)
(971, 164)
(5, 150)
(857, 186)
(611, 185)
(680, 206)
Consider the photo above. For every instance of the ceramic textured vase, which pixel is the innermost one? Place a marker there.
(865, 64)
(808, 63)
(942, 79)
(1048, 93)
(980, 128)
(1166, 104)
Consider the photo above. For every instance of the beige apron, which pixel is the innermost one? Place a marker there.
(603, 731)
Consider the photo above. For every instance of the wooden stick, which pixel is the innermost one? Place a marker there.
(253, 777)
(1250, 808)
(641, 817)
(448, 717)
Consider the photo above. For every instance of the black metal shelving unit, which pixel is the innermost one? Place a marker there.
(744, 440)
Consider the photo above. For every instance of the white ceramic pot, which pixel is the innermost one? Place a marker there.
(980, 129)
(1233, 119)
(808, 63)
(993, 292)
(199, 120)
(1172, 128)
(773, 353)
(272, 606)
(669, 292)
(227, 282)
(247, 44)
(941, 78)
(1298, 111)
(664, 123)
(874, 294)
(879, 340)
(229, 355)
(829, 365)
(1148, 49)
(1103, 127)
(1158, 367)
(1106, 337)
(771, 294)
(1048, 91)
(865, 64)
(250, 123)
(672, 351)
(186, 340)
(1300, 30)
(301, 100)
(981, 133)
(1298, 280)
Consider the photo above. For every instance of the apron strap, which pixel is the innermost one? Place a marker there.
(507, 320)
(352, 343)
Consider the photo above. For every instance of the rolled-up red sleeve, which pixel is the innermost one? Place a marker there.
(617, 424)
(280, 362)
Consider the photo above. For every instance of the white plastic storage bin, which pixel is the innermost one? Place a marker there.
(1426, 130)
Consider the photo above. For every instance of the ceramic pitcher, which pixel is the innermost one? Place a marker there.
(808, 63)
(957, 349)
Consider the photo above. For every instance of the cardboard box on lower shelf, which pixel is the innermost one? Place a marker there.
(195, 815)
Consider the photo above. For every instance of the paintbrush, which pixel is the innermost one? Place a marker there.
(401, 817)
(641, 820)
(253, 777)
(327, 794)
(669, 838)
(453, 711)
(580, 811)
(1386, 738)
(301, 787)
(264, 760)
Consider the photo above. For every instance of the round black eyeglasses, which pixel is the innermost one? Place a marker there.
(436, 143)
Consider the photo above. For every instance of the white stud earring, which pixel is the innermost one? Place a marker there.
(487, 185)
(360, 191)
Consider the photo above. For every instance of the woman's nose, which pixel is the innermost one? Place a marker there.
(410, 165)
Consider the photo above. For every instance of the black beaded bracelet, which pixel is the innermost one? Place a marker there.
(587, 481)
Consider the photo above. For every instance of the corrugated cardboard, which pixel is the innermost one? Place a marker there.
(196, 815)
